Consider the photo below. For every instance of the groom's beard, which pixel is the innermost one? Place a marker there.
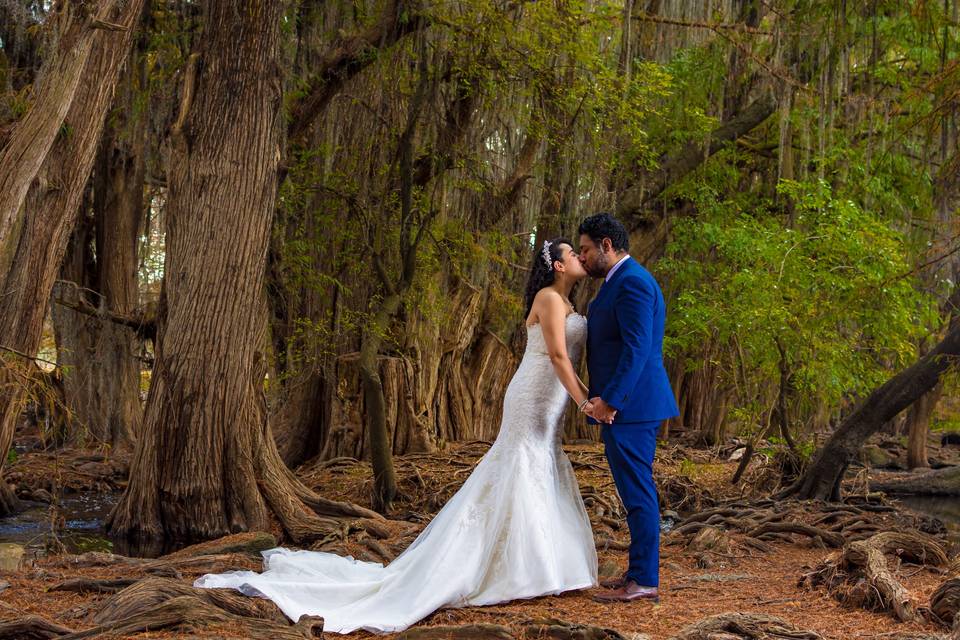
(598, 269)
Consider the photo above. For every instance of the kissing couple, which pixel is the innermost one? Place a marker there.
(517, 528)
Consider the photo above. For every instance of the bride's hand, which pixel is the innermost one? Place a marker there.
(588, 409)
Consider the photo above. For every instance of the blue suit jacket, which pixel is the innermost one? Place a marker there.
(625, 347)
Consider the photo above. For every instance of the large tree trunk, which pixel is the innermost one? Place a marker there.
(100, 365)
(119, 212)
(101, 369)
(77, 334)
(206, 464)
(72, 33)
(50, 214)
(378, 433)
(918, 427)
(821, 480)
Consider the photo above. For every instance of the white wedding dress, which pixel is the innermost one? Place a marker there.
(516, 529)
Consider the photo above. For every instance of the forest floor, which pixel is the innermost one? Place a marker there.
(699, 578)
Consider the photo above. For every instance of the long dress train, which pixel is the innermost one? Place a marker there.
(517, 528)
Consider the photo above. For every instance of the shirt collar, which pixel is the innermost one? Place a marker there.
(614, 268)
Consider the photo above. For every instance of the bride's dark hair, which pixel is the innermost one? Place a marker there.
(541, 273)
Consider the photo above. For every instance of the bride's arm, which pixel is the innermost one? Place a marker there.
(552, 313)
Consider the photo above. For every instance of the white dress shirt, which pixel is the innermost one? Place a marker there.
(614, 268)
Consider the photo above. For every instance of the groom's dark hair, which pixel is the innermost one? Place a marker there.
(603, 225)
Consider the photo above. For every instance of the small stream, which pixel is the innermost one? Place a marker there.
(80, 518)
(944, 508)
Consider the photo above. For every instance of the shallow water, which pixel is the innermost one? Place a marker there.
(944, 508)
(77, 520)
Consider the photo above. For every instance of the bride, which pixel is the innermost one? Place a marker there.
(516, 529)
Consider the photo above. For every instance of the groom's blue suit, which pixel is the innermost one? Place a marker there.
(625, 364)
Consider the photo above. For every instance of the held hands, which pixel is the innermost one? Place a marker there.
(599, 410)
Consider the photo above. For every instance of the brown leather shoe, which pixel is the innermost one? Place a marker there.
(629, 592)
(614, 583)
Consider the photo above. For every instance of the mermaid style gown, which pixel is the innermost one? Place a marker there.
(517, 528)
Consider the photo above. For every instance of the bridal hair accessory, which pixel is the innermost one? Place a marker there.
(546, 254)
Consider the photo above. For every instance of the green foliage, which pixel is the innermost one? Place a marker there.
(805, 448)
(946, 425)
(827, 281)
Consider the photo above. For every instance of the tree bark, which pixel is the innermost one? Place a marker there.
(206, 464)
(821, 480)
(50, 214)
(918, 427)
(101, 368)
(77, 335)
(378, 433)
(119, 213)
(25, 152)
(941, 482)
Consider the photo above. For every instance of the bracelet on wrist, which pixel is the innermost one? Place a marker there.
(583, 404)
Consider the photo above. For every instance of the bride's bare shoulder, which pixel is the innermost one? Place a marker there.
(548, 296)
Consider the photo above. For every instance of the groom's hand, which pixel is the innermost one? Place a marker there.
(602, 412)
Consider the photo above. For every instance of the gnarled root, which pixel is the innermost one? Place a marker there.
(190, 612)
(748, 626)
(461, 632)
(560, 630)
(945, 605)
(152, 591)
(31, 628)
(160, 603)
(860, 574)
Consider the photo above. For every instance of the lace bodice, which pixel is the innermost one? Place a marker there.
(576, 327)
(535, 398)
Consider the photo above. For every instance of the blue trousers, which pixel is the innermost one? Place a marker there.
(630, 448)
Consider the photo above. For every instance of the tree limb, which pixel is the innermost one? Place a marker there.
(639, 196)
(348, 57)
(146, 329)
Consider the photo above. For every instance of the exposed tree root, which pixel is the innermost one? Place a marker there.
(945, 604)
(823, 524)
(190, 612)
(165, 566)
(152, 591)
(711, 539)
(860, 574)
(252, 542)
(548, 629)
(833, 539)
(461, 632)
(560, 630)
(92, 585)
(31, 628)
(744, 626)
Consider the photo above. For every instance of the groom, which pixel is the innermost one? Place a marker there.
(629, 390)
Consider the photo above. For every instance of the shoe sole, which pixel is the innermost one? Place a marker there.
(655, 600)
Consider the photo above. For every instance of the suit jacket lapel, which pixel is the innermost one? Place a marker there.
(608, 286)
